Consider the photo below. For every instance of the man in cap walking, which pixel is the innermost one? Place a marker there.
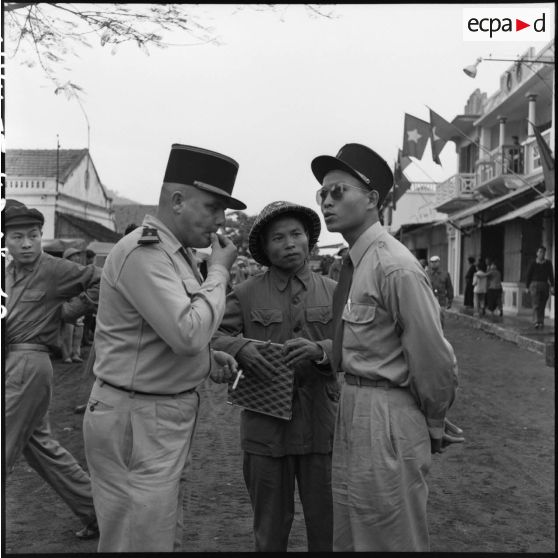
(155, 320)
(441, 283)
(290, 305)
(400, 372)
(38, 286)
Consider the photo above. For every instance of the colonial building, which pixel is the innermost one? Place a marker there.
(498, 204)
(64, 185)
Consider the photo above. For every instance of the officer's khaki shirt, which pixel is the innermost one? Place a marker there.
(392, 326)
(155, 318)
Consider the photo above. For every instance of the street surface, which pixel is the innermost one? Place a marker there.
(494, 493)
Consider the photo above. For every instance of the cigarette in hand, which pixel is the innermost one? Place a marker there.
(238, 376)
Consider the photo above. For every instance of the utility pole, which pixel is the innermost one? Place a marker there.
(57, 164)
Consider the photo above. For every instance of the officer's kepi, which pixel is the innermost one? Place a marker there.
(204, 169)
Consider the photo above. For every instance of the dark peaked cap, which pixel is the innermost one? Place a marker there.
(17, 213)
(204, 169)
(361, 162)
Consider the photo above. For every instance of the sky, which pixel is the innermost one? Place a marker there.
(281, 88)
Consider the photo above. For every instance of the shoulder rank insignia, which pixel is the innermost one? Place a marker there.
(149, 236)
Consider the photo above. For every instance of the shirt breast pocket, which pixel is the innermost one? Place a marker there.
(318, 320)
(359, 324)
(33, 295)
(264, 321)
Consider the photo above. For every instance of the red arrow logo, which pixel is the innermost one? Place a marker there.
(519, 25)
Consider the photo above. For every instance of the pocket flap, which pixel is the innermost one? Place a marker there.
(359, 313)
(320, 314)
(32, 295)
(266, 316)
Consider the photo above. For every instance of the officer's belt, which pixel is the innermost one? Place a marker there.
(353, 380)
(133, 392)
(28, 347)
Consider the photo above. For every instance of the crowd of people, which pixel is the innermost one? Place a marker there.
(374, 375)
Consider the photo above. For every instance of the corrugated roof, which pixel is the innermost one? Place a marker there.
(91, 228)
(42, 162)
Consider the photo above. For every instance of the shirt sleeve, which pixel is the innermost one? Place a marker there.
(185, 317)
(430, 358)
(229, 335)
(79, 283)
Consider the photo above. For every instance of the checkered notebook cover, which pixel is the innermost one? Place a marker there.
(273, 398)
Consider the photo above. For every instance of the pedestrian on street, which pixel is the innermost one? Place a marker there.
(400, 372)
(38, 286)
(441, 283)
(72, 332)
(540, 283)
(155, 320)
(480, 287)
(291, 305)
(469, 295)
(494, 290)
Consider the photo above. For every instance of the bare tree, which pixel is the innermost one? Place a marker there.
(47, 33)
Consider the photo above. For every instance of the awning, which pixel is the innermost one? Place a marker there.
(525, 212)
(473, 210)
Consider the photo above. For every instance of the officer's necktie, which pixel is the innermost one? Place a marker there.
(339, 299)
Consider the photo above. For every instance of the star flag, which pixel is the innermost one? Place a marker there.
(400, 181)
(441, 132)
(415, 136)
(547, 160)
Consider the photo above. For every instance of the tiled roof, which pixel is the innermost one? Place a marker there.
(91, 228)
(42, 162)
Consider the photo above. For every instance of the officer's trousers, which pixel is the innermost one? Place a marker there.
(271, 485)
(381, 455)
(137, 448)
(28, 381)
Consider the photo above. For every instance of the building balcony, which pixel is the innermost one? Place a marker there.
(456, 193)
(507, 166)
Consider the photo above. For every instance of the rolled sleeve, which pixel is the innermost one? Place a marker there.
(185, 317)
(431, 360)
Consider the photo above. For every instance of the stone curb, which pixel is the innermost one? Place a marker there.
(499, 331)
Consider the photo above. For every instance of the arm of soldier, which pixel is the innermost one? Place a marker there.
(430, 358)
(229, 338)
(80, 285)
(76, 280)
(186, 322)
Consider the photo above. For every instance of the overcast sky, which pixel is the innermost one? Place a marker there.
(278, 91)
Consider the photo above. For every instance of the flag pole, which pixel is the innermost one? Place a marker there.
(498, 159)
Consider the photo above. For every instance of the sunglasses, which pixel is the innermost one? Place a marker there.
(336, 192)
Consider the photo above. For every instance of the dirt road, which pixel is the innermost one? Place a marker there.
(495, 493)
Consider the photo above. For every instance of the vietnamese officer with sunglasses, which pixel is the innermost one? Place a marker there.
(400, 371)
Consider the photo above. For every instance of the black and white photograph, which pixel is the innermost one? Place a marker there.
(278, 278)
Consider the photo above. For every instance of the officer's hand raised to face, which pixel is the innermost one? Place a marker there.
(223, 251)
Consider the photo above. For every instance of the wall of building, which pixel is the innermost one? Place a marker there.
(83, 183)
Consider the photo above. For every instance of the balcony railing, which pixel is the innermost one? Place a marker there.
(507, 159)
(457, 186)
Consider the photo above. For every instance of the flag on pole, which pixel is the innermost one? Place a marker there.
(441, 132)
(403, 160)
(547, 160)
(401, 183)
(415, 136)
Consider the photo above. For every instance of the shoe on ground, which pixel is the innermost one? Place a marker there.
(77, 359)
(90, 531)
(80, 409)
